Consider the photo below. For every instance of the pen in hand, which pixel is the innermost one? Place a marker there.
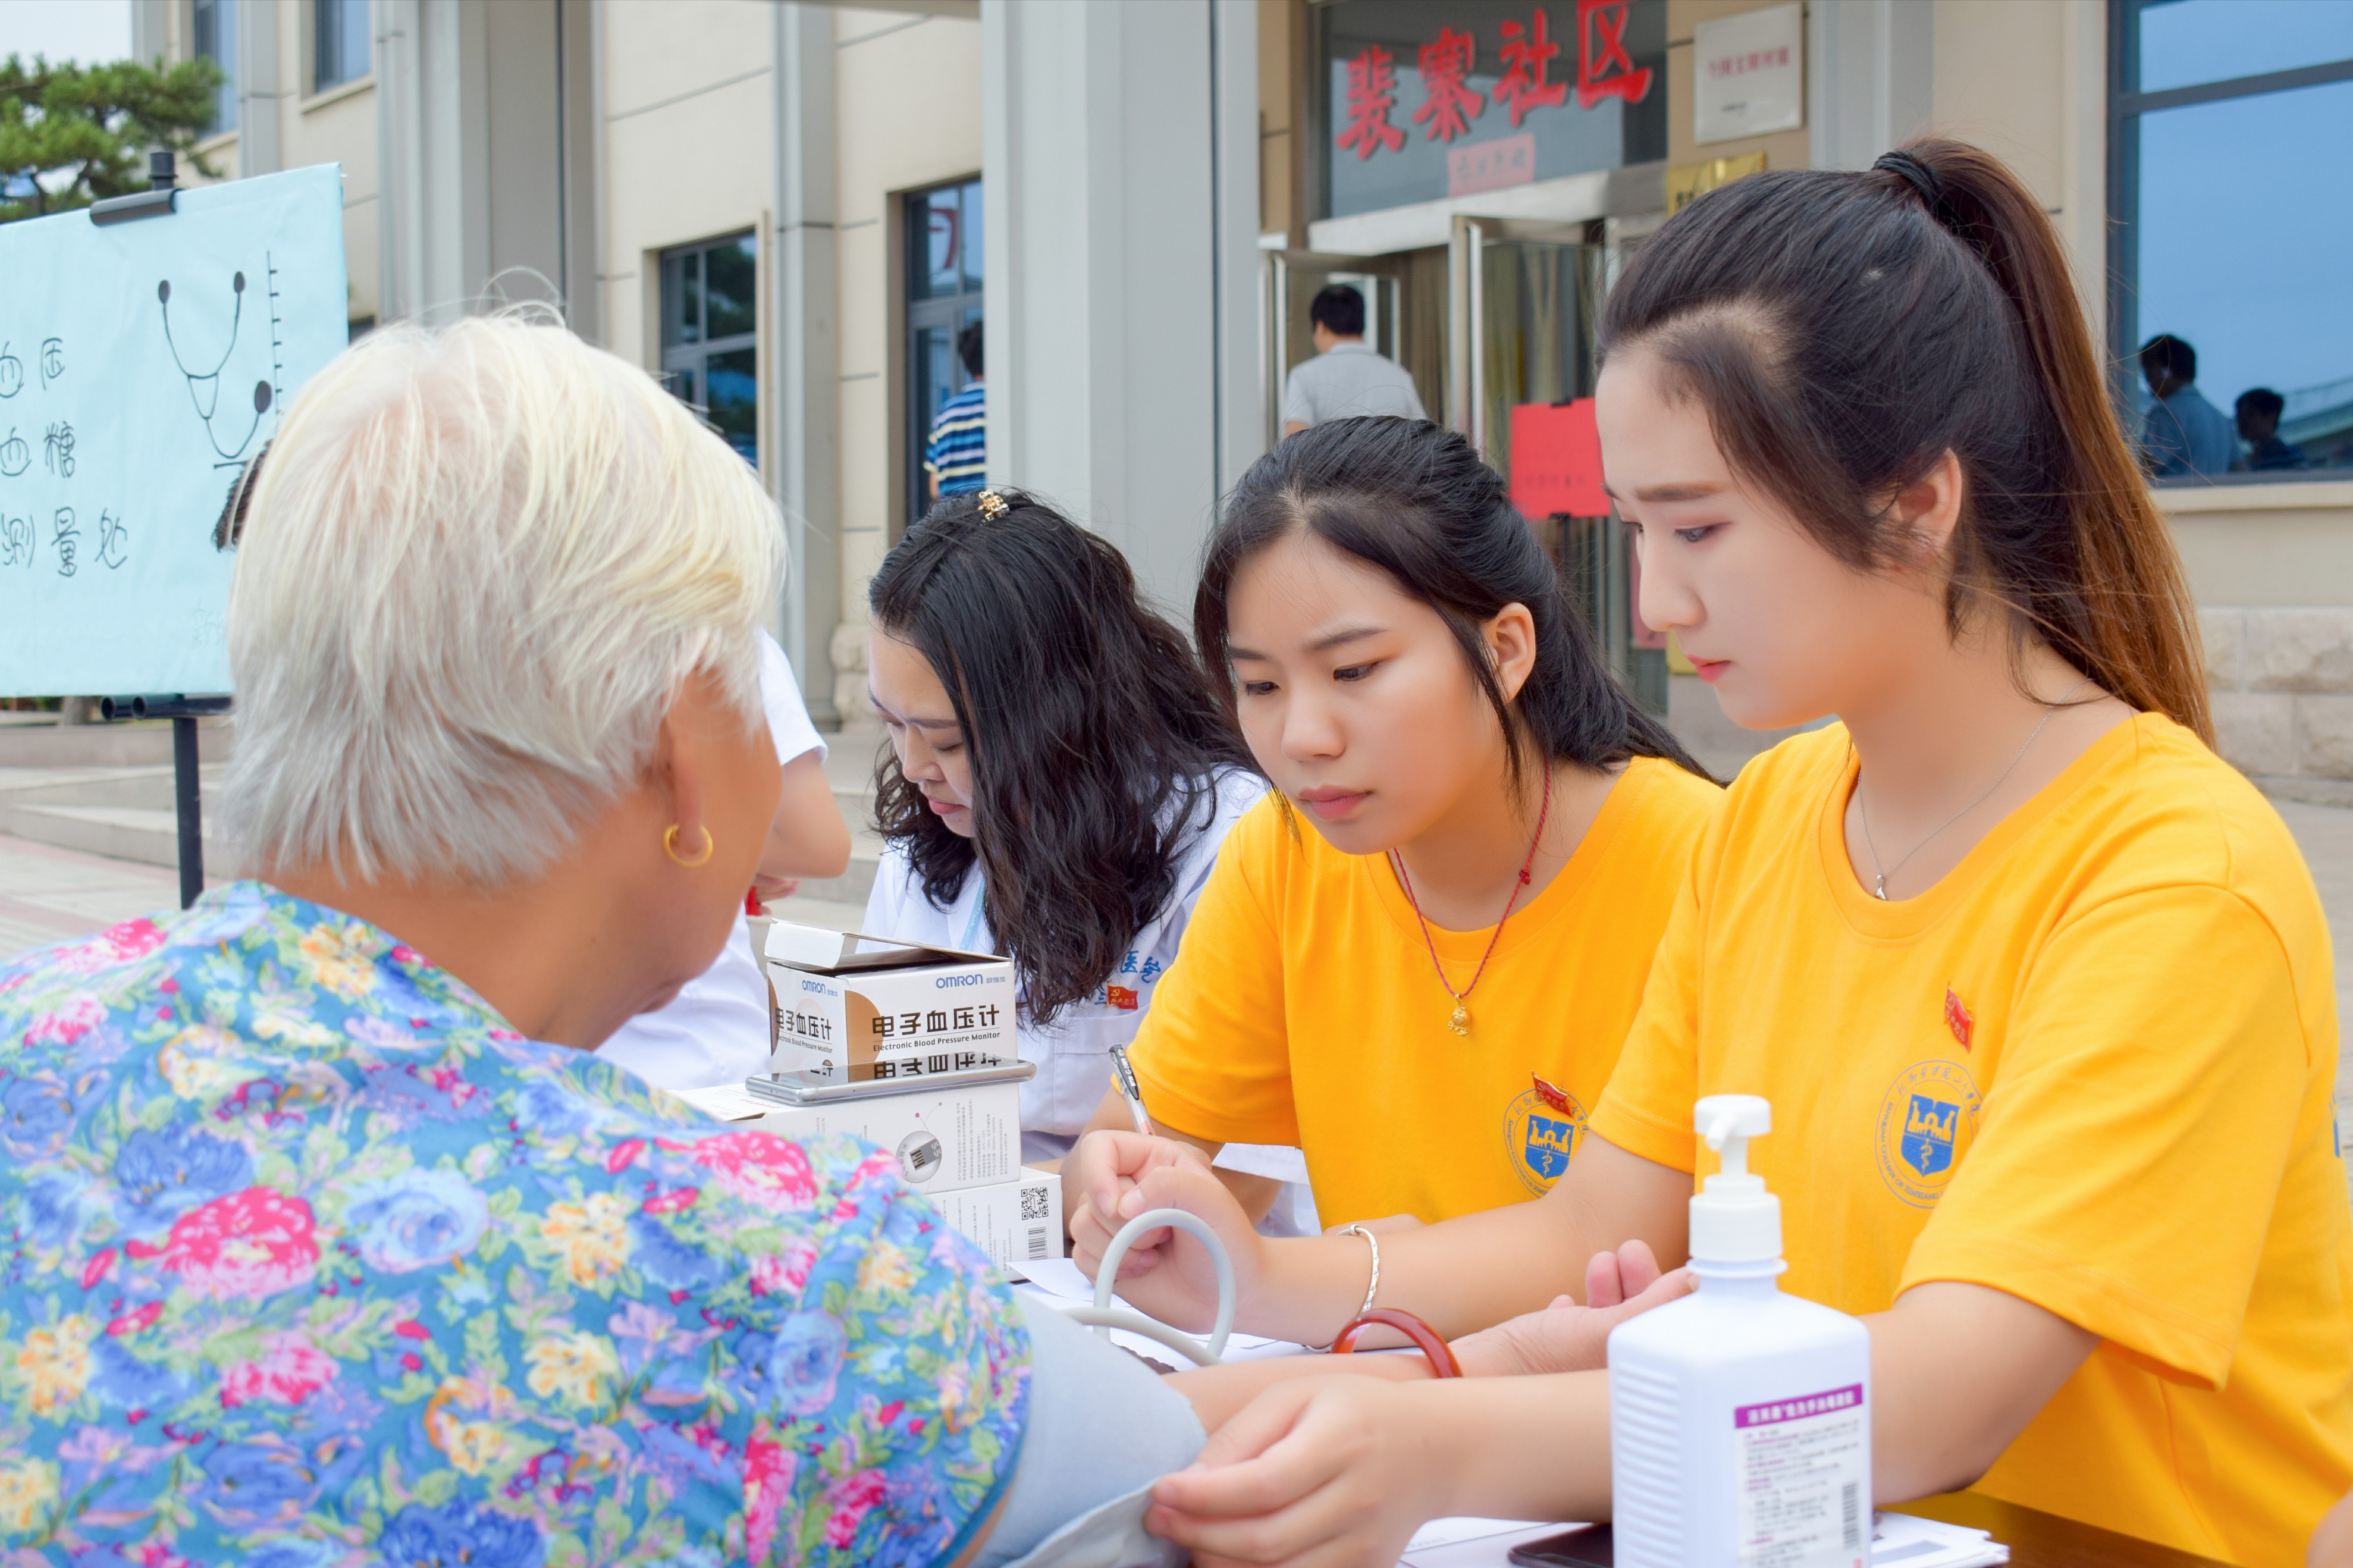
(1124, 1075)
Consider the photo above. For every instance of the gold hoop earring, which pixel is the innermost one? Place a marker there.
(669, 847)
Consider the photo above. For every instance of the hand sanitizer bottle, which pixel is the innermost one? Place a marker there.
(1739, 1417)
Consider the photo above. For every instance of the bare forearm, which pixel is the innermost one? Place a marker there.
(1218, 1392)
(1459, 1277)
(1932, 1431)
(1562, 1471)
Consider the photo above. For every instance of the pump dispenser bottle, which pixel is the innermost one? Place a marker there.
(1740, 1417)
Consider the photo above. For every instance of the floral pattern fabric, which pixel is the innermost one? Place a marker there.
(307, 1259)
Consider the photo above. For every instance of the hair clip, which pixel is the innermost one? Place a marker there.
(993, 506)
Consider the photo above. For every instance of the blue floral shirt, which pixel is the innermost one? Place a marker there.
(307, 1259)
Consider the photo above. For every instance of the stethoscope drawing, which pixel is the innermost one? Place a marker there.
(204, 385)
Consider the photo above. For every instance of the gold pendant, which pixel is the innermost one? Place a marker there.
(1459, 1020)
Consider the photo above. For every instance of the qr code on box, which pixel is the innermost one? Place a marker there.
(1033, 1202)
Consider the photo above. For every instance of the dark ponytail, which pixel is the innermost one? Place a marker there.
(1417, 502)
(1845, 329)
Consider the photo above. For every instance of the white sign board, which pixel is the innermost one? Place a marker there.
(1748, 74)
(142, 363)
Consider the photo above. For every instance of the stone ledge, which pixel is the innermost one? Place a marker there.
(2284, 495)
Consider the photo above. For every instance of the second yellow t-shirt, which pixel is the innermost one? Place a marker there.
(2091, 1068)
(1302, 1008)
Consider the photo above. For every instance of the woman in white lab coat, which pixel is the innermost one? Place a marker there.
(1059, 780)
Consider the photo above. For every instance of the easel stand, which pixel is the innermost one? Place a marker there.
(187, 791)
(160, 197)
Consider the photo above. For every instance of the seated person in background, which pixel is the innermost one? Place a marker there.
(1062, 801)
(2259, 410)
(332, 1237)
(718, 1029)
(1347, 376)
(2182, 434)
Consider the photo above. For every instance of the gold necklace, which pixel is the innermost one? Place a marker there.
(1459, 1021)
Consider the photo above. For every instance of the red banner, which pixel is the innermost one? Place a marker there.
(1557, 460)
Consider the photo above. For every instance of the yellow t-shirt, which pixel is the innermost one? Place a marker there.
(1302, 1008)
(2091, 1068)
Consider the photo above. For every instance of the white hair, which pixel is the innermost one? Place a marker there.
(477, 563)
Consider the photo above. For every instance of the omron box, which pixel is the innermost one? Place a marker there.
(946, 1135)
(857, 1009)
(1014, 1221)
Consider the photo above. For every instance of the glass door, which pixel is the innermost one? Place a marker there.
(1525, 303)
(1398, 324)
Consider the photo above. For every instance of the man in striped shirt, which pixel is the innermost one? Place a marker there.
(956, 457)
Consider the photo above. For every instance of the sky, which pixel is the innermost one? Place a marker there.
(2244, 224)
(88, 31)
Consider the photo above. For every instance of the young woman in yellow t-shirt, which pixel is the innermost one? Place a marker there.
(2038, 987)
(1417, 958)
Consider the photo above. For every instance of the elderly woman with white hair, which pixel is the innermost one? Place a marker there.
(331, 1241)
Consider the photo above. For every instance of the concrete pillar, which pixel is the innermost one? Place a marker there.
(260, 135)
(805, 449)
(1871, 77)
(485, 155)
(1120, 174)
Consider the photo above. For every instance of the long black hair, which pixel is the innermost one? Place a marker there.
(1417, 502)
(1845, 329)
(1096, 740)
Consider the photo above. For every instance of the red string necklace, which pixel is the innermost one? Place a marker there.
(1459, 1019)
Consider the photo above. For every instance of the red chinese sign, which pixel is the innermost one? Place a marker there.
(1557, 460)
(1527, 54)
(1448, 106)
(1604, 68)
(1776, 58)
(1372, 93)
(1524, 56)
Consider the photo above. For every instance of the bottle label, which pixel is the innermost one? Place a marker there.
(1801, 1463)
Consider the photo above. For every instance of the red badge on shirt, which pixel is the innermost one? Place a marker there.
(1123, 998)
(1552, 1095)
(1957, 1019)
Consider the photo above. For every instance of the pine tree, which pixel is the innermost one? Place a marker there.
(96, 124)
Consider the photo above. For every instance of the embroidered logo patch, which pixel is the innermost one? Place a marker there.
(1926, 1119)
(1542, 1127)
(1957, 1018)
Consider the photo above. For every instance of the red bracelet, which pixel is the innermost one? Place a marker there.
(1425, 1338)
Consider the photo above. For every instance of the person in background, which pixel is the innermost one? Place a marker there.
(330, 1237)
(1059, 781)
(1347, 377)
(2259, 410)
(2182, 434)
(718, 1030)
(955, 458)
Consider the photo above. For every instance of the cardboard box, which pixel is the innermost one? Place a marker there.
(946, 1139)
(864, 1009)
(1014, 1222)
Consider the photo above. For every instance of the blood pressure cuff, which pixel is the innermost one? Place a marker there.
(1102, 1428)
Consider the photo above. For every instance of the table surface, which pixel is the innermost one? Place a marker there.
(2038, 1540)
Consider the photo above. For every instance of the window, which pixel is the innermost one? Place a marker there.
(944, 298)
(2230, 306)
(216, 40)
(710, 344)
(339, 42)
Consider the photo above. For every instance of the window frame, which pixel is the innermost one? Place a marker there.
(930, 310)
(2127, 104)
(317, 33)
(692, 357)
(225, 119)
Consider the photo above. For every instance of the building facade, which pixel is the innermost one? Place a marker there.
(790, 211)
